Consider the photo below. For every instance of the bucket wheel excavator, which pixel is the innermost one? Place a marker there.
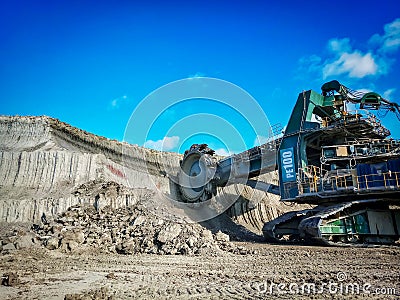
(334, 155)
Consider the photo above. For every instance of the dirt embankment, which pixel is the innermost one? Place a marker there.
(44, 163)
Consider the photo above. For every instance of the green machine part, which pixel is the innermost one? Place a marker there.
(366, 222)
(355, 224)
(371, 100)
(299, 126)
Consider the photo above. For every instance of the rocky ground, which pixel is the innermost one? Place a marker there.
(89, 253)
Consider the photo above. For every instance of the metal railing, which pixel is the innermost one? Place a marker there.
(312, 180)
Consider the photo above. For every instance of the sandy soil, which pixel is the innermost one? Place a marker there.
(282, 271)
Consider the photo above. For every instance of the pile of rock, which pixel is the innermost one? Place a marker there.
(15, 237)
(127, 230)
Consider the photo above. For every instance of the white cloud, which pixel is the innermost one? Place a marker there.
(388, 94)
(343, 60)
(354, 65)
(165, 144)
(339, 45)
(390, 40)
(363, 90)
(222, 152)
(116, 103)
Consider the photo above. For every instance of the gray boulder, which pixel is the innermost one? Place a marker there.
(169, 233)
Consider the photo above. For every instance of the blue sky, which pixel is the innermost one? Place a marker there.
(90, 63)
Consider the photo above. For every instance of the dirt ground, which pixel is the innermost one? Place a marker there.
(279, 271)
